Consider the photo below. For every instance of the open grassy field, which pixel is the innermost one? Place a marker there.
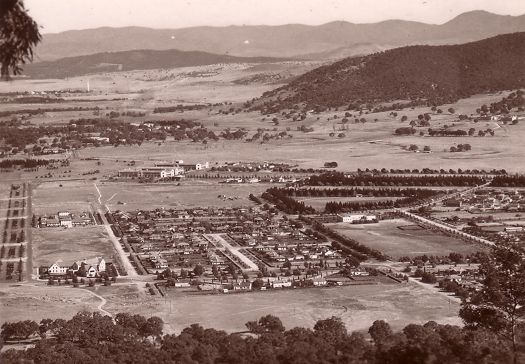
(73, 196)
(386, 237)
(32, 302)
(357, 306)
(192, 193)
(69, 245)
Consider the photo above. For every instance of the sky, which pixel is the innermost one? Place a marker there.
(60, 15)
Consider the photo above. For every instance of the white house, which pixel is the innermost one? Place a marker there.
(281, 284)
(57, 269)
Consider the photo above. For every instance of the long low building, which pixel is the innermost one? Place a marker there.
(357, 218)
(184, 166)
(151, 172)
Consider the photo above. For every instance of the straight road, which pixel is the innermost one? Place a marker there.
(132, 273)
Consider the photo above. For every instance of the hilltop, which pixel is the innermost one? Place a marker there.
(291, 40)
(419, 74)
(131, 60)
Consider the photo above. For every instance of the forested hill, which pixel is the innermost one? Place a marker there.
(132, 60)
(438, 74)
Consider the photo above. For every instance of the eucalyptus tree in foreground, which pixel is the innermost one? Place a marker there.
(19, 34)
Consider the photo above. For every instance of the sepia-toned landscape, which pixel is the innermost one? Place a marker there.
(335, 193)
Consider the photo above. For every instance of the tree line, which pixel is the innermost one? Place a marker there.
(334, 207)
(367, 192)
(285, 203)
(508, 181)
(340, 179)
(24, 163)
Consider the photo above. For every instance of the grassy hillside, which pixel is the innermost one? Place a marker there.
(421, 74)
(131, 60)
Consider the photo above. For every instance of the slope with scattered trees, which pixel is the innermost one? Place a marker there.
(432, 75)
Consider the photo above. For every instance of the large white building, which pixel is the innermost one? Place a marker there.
(356, 218)
(152, 172)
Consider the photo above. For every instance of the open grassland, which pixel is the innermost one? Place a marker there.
(365, 145)
(32, 302)
(69, 245)
(73, 196)
(192, 193)
(357, 306)
(411, 240)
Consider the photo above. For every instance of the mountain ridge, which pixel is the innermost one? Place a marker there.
(288, 40)
(137, 59)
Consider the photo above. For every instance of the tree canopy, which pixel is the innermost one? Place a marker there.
(19, 34)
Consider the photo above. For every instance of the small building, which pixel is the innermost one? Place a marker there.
(281, 284)
(319, 281)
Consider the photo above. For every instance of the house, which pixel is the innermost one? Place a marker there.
(242, 286)
(281, 284)
(91, 272)
(93, 267)
(161, 263)
(194, 166)
(319, 281)
(56, 269)
(52, 221)
(359, 273)
(66, 221)
(182, 284)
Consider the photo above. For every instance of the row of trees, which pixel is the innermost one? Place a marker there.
(340, 179)
(508, 181)
(335, 207)
(430, 171)
(24, 163)
(355, 191)
(285, 203)
(355, 249)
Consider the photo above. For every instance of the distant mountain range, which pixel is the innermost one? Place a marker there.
(420, 74)
(131, 60)
(281, 41)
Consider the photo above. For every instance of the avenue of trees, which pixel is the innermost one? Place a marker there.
(285, 203)
(340, 179)
(365, 192)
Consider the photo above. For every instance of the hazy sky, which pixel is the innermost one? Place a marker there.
(59, 15)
